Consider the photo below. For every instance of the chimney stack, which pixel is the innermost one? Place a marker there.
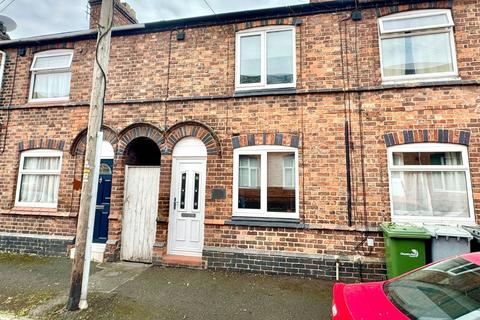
(123, 14)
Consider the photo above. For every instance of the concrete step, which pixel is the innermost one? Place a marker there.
(98, 251)
(182, 261)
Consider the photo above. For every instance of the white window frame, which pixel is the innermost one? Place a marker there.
(262, 32)
(433, 29)
(262, 212)
(35, 71)
(431, 147)
(40, 153)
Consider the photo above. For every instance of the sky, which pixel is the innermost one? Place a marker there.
(41, 17)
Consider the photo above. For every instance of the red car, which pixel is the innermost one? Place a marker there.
(448, 289)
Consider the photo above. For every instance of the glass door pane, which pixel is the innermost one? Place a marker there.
(183, 191)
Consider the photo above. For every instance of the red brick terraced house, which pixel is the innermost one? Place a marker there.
(272, 141)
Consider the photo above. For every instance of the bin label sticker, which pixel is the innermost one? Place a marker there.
(412, 254)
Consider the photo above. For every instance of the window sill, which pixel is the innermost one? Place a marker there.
(47, 102)
(263, 92)
(265, 222)
(33, 211)
(448, 80)
(419, 220)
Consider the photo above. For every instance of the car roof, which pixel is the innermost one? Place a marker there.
(472, 257)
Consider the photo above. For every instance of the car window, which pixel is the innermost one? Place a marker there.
(446, 290)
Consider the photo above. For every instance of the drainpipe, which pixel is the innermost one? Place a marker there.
(348, 169)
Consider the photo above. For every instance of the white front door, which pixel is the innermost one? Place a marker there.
(187, 209)
(140, 210)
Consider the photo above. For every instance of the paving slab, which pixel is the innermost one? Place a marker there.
(112, 275)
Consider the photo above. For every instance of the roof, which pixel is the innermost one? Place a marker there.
(211, 20)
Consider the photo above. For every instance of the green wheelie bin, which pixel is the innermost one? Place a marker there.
(405, 247)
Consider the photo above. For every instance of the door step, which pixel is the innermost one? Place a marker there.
(98, 252)
(182, 261)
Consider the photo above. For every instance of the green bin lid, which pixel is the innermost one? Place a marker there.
(400, 230)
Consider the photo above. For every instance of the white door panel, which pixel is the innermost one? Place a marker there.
(186, 222)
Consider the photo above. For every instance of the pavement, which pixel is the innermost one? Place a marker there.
(33, 287)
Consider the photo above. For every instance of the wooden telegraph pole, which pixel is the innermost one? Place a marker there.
(94, 127)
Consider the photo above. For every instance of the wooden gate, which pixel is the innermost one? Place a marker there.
(140, 212)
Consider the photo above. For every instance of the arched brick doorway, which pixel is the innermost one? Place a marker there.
(140, 145)
(187, 198)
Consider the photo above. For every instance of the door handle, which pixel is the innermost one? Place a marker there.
(174, 203)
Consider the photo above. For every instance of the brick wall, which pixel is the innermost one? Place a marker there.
(304, 265)
(42, 245)
(199, 86)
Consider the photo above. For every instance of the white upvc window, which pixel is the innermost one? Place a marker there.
(38, 178)
(265, 58)
(265, 182)
(430, 182)
(417, 45)
(51, 74)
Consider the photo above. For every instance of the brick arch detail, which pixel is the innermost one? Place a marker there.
(41, 143)
(79, 144)
(53, 46)
(192, 129)
(292, 21)
(427, 136)
(253, 139)
(435, 4)
(139, 130)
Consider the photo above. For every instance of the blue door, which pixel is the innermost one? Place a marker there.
(100, 230)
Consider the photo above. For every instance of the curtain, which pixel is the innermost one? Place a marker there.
(41, 163)
(52, 85)
(39, 187)
(430, 193)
